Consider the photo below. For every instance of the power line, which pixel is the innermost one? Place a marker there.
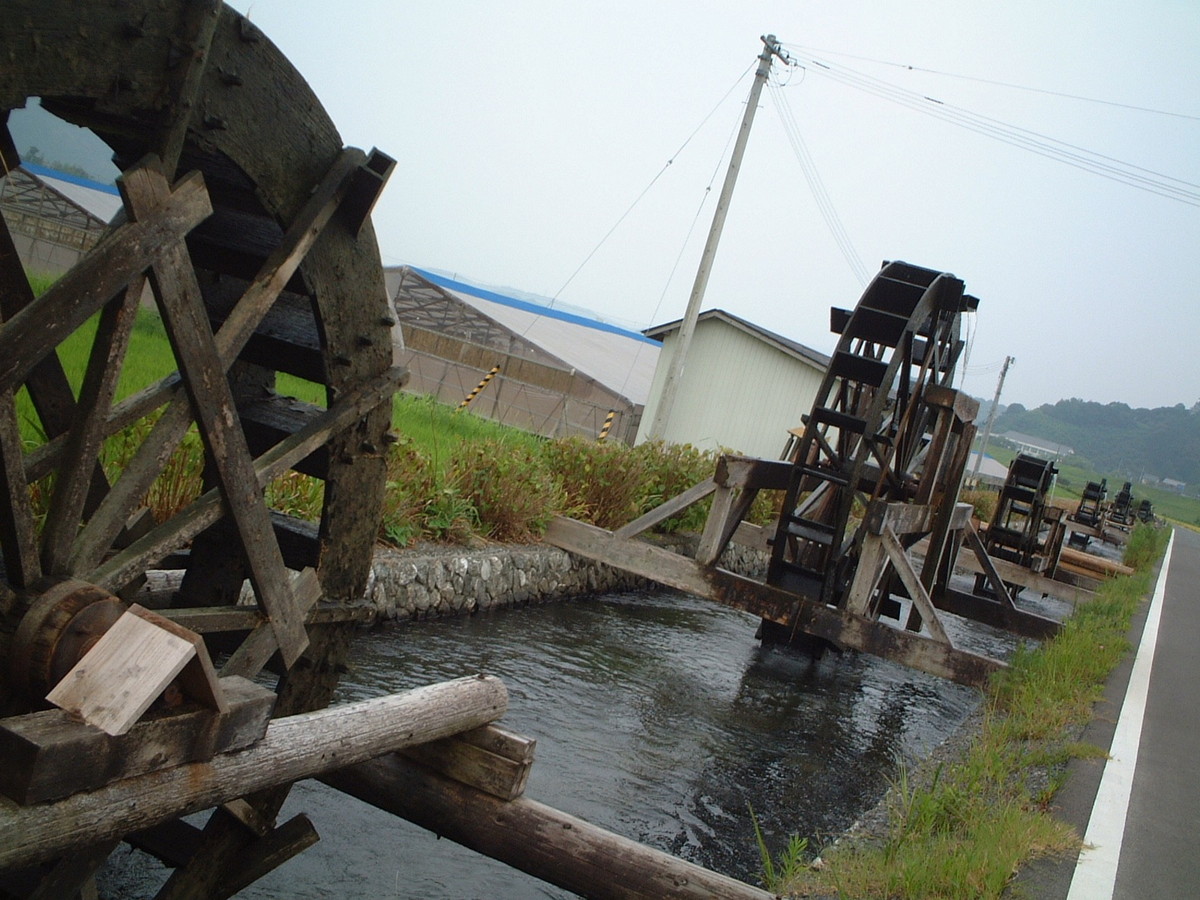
(1005, 84)
(1043, 145)
(817, 186)
(653, 180)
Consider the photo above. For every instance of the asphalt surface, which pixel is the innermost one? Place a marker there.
(1139, 810)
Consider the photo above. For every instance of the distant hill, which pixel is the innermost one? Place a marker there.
(1116, 438)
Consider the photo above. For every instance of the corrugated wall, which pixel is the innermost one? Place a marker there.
(737, 392)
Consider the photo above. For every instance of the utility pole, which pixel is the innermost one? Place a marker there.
(987, 430)
(666, 399)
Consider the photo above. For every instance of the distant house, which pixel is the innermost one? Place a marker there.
(1034, 446)
(742, 389)
(992, 472)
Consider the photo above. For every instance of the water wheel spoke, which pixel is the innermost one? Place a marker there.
(80, 454)
(151, 457)
(17, 532)
(36, 330)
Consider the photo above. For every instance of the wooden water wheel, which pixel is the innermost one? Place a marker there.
(248, 220)
(868, 430)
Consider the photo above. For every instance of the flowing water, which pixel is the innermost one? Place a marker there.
(657, 716)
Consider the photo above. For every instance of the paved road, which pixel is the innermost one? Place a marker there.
(1140, 810)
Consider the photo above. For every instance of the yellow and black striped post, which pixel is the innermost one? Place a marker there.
(479, 387)
(607, 426)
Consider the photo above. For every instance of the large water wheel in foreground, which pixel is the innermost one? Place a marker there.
(247, 219)
(249, 222)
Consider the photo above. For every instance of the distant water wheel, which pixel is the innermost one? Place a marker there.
(249, 221)
(867, 432)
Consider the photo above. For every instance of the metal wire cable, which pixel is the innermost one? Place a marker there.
(1043, 145)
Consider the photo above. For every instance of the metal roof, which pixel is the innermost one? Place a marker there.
(787, 345)
(620, 359)
(99, 200)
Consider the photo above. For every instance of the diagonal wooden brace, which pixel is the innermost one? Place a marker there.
(186, 322)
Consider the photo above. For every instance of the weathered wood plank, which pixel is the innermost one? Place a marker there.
(22, 562)
(265, 855)
(664, 511)
(474, 766)
(996, 613)
(217, 619)
(548, 844)
(296, 747)
(768, 602)
(128, 667)
(48, 755)
(81, 452)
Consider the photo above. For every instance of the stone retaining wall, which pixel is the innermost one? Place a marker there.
(444, 580)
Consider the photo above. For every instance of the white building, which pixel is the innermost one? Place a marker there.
(742, 389)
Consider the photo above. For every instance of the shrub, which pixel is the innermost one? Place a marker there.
(984, 503)
(601, 482)
(410, 485)
(510, 487)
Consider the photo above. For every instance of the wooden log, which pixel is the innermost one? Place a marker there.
(296, 747)
(548, 844)
(1016, 574)
(1094, 565)
(48, 755)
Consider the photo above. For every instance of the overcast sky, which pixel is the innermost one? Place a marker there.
(524, 130)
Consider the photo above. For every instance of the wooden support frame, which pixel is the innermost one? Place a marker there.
(296, 747)
(837, 626)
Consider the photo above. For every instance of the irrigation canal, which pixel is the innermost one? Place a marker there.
(657, 716)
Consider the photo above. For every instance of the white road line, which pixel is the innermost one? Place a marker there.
(1096, 871)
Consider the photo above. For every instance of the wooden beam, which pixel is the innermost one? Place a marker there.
(912, 581)
(296, 747)
(45, 323)
(996, 613)
(747, 472)
(772, 603)
(551, 845)
(48, 755)
(1016, 574)
(664, 511)
(488, 759)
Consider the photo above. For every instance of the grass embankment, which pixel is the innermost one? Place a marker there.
(967, 827)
